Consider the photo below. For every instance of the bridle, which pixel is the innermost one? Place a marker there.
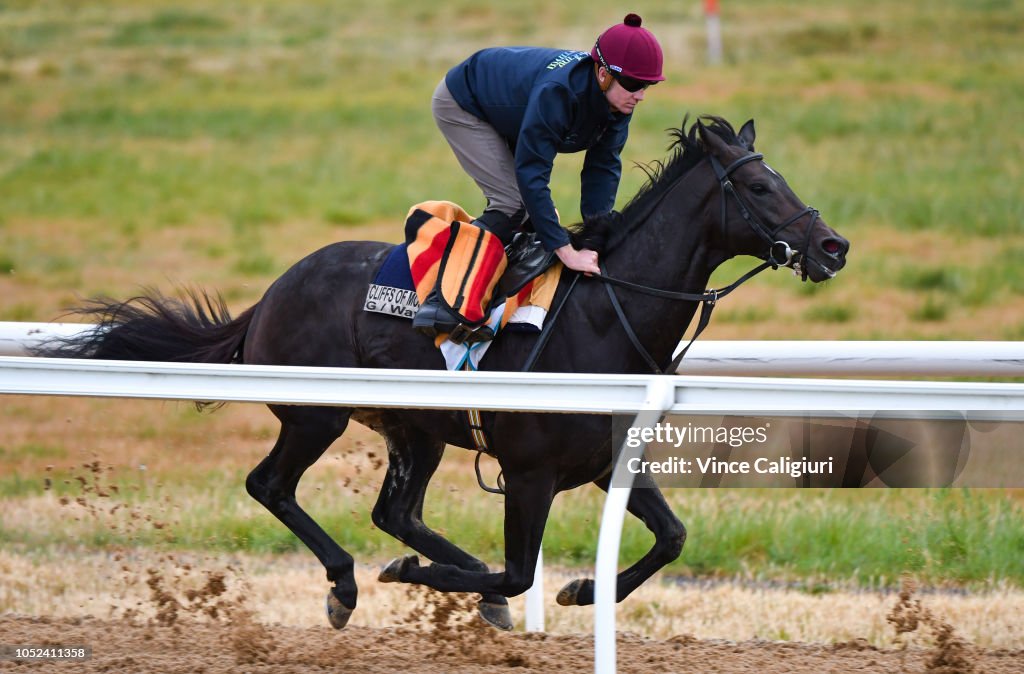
(778, 254)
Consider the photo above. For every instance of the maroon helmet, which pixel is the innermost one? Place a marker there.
(628, 50)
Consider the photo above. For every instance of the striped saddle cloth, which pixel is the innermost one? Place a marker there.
(443, 250)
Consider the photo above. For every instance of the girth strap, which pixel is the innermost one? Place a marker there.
(549, 325)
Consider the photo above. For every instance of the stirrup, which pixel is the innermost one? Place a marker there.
(463, 334)
(434, 318)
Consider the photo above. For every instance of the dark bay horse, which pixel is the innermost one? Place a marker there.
(713, 199)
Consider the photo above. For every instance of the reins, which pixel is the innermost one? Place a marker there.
(708, 299)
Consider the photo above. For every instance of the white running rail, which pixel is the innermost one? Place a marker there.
(745, 358)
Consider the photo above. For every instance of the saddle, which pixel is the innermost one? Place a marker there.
(527, 260)
(464, 268)
(448, 258)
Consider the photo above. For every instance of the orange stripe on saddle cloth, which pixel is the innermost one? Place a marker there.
(538, 292)
(442, 242)
(427, 230)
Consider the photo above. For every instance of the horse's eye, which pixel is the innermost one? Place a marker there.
(758, 188)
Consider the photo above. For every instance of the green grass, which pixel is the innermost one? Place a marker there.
(218, 127)
(931, 310)
(136, 117)
(749, 314)
(865, 537)
(943, 537)
(309, 111)
(20, 312)
(932, 278)
(828, 313)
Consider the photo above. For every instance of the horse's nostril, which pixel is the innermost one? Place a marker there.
(831, 246)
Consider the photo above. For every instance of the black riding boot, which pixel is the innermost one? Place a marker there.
(432, 317)
(502, 226)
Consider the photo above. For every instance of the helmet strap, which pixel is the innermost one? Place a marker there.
(605, 83)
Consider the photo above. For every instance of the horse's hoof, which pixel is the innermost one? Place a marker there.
(337, 613)
(392, 573)
(576, 593)
(496, 615)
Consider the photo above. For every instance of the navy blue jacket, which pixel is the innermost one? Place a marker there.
(546, 101)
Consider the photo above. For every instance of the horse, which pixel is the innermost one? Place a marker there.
(712, 199)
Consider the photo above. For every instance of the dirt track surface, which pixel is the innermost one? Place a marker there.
(241, 645)
(171, 612)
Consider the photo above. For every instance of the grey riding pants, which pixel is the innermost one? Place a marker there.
(483, 154)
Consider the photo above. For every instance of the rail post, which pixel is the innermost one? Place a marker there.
(535, 597)
(661, 395)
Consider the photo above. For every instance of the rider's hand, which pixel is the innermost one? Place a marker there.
(578, 260)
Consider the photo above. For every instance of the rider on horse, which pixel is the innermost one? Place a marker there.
(507, 111)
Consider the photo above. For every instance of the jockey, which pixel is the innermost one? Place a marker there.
(507, 111)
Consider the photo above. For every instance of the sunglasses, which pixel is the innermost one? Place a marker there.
(630, 84)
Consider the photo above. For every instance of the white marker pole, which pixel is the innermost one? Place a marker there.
(714, 29)
(535, 598)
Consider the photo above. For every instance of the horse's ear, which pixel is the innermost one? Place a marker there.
(711, 140)
(746, 135)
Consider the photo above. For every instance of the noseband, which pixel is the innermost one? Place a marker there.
(779, 253)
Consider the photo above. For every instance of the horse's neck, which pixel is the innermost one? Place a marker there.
(675, 247)
(672, 250)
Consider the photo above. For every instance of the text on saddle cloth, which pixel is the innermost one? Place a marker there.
(392, 291)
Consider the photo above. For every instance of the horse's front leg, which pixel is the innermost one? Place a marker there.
(528, 498)
(648, 504)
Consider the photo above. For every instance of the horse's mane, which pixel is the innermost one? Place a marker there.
(605, 232)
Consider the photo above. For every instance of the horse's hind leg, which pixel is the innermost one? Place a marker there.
(527, 503)
(412, 459)
(306, 433)
(647, 504)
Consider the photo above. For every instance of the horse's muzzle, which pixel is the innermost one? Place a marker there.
(826, 257)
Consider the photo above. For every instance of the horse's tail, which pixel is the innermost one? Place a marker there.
(195, 328)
